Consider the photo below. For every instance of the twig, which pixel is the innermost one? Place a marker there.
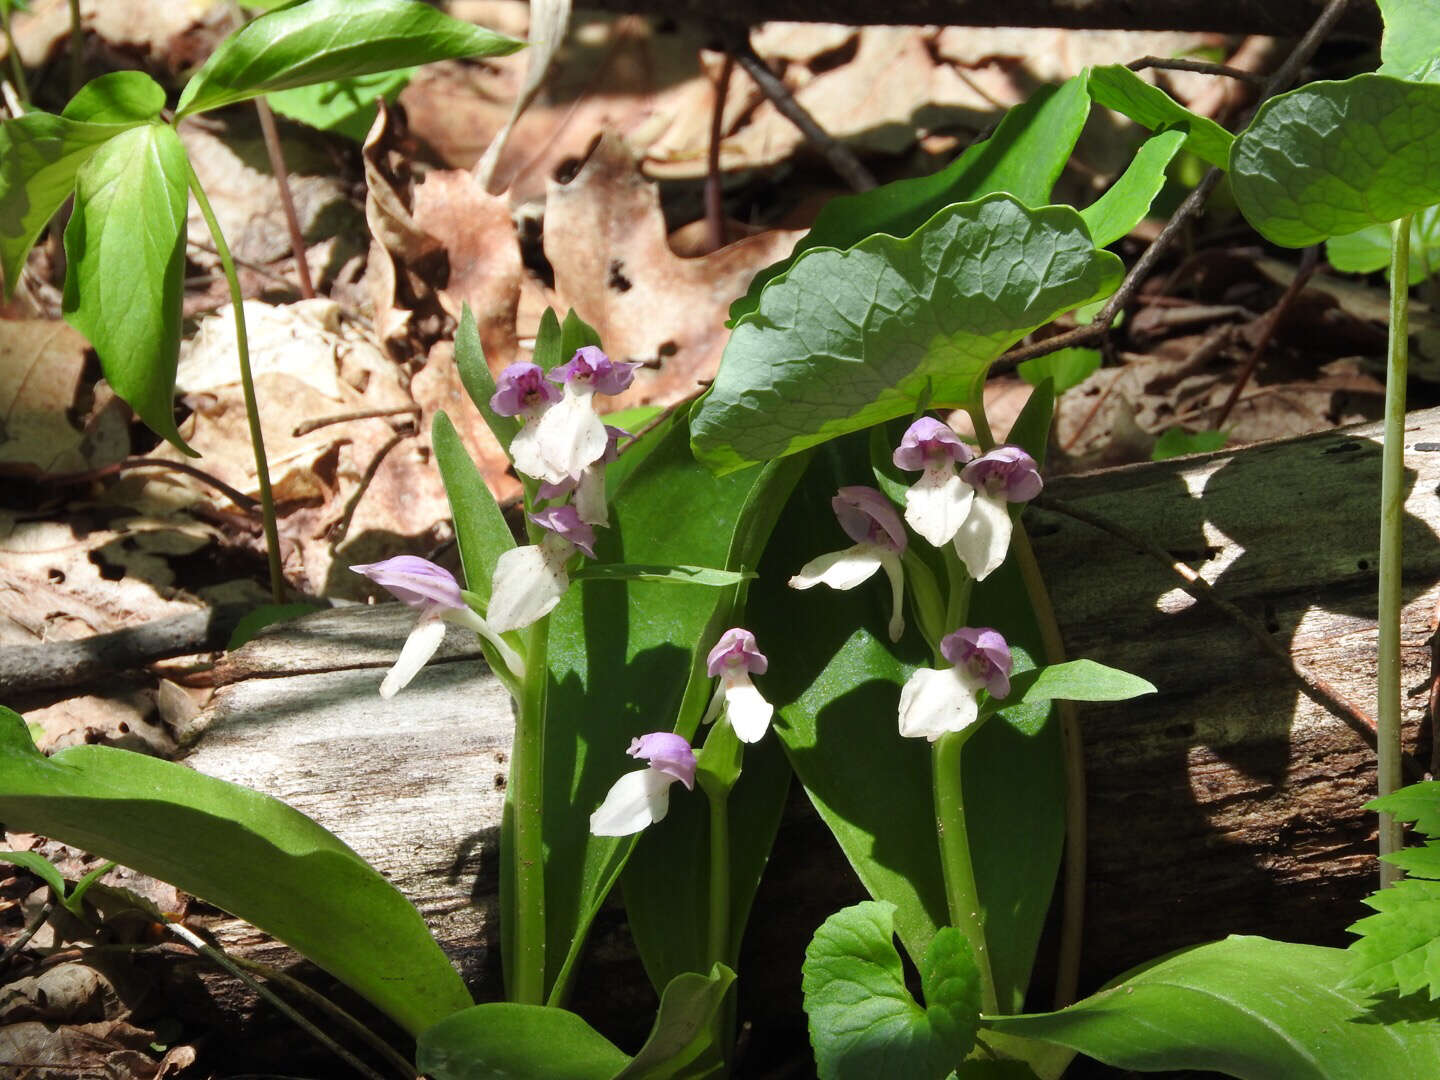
(253, 267)
(29, 932)
(287, 202)
(1308, 262)
(239, 498)
(343, 526)
(1200, 67)
(841, 159)
(714, 193)
(306, 427)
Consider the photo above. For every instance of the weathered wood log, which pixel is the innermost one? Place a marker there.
(1227, 802)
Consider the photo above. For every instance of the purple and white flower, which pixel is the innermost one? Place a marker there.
(642, 798)
(569, 436)
(589, 485)
(733, 660)
(870, 520)
(530, 580)
(522, 390)
(937, 504)
(935, 702)
(999, 477)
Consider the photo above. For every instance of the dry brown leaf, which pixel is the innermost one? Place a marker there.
(126, 719)
(605, 239)
(112, 1049)
(437, 387)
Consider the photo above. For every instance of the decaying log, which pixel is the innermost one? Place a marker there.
(1228, 802)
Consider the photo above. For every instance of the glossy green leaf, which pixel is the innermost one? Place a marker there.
(1068, 368)
(323, 40)
(847, 339)
(1117, 87)
(1077, 680)
(346, 106)
(1175, 442)
(682, 1041)
(506, 1041)
(1024, 157)
(119, 97)
(863, 1021)
(480, 528)
(674, 575)
(1247, 1007)
(126, 250)
(1411, 41)
(1368, 249)
(476, 378)
(1128, 200)
(39, 157)
(242, 851)
(1333, 157)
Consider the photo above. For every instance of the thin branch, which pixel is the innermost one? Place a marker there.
(287, 202)
(239, 498)
(306, 427)
(714, 191)
(343, 526)
(1200, 67)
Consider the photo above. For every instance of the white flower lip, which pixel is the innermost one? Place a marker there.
(634, 801)
(936, 702)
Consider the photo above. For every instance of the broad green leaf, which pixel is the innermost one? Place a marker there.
(1418, 862)
(39, 157)
(847, 339)
(505, 1041)
(1419, 803)
(675, 575)
(1177, 441)
(38, 865)
(1411, 40)
(682, 1041)
(1333, 157)
(1023, 157)
(1121, 208)
(1068, 367)
(480, 528)
(1368, 249)
(478, 382)
(863, 1021)
(1117, 87)
(323, 40)
(1247, 1007)
(345, 106)
(126, 248)
(1077, 680)
(242, 851)
(1399, 946)
(266, 615)
(120, 97)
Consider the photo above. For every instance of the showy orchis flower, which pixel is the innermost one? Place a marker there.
(1000, 476)
(870, 520)
(530, 580)
(642, 798)
(435, 594)
(733, 660)
(569, 436)
(589, 486)
(935, 505)
(935, 702)
(522, 390)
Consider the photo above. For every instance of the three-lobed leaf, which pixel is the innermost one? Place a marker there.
(1117, 87)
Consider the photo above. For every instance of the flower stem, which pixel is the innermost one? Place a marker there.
(961, 894)
(247, 385)
(718, 941)
(1392, 512)
(527, 761)
(17, 69)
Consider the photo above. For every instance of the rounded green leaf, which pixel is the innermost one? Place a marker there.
(847, 339)
(506, 1041)
(121, 97)
(1412, 36)
(1334, 157)
(322, 40)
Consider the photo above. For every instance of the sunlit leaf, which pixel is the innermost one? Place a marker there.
(1128, 200)
(345, 106)
(1117, 87)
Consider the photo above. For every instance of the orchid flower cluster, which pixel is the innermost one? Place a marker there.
(563, 444)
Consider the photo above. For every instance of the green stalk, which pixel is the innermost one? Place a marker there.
(76, 49)
(962, 897)
(527, 764)
(718, 939)
(1392, 511)
(17, 70)
(247, 384)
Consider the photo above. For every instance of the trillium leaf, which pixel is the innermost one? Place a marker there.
(1411, 41)
(848, 339)
(126, 248)
(502, 1039)
(120, 97)
(1076, 680)
(1248, 1007)
(323, 40)
(345, 106)
(1117, 87)
(243, 851)
(1125, 204)
(1334, 157)
(480, 528)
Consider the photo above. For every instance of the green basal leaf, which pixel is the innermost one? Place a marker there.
(1114, 214)
(1176, 442)
(1334, 157)
(345, 106)
(1419, 803)
(682, 1042)
(863, 1021)
(1068, 367)
(548, 342)
(266, 615)
(1117, 87)
(478, 382)
(39, 157)
(1031, 429)
(505, 1041)
(1023, 157)
(126, 250)
(324, 40)
(1399, 946)
(480, 528)
(242, 851)
(1247, 1007)
(1412, 36)
(76, 900)
(1076, 680)
(1368, 249)
(126, 98)
(37, 864)
(575, 334)
(848, 339)
(675, 575)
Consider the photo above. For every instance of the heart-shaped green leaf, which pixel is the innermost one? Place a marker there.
(323, 40)
(1117, 87)
(848, 339)
(242, 851)
(1411, 41)
(1333, 157)
(126, 248)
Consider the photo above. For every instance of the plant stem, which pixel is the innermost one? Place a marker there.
(247, 384)
(527, 764)
(76, 49)
(1392, 513)
(718, 946)
(276, 154)
(961, 895)
(17, 69)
